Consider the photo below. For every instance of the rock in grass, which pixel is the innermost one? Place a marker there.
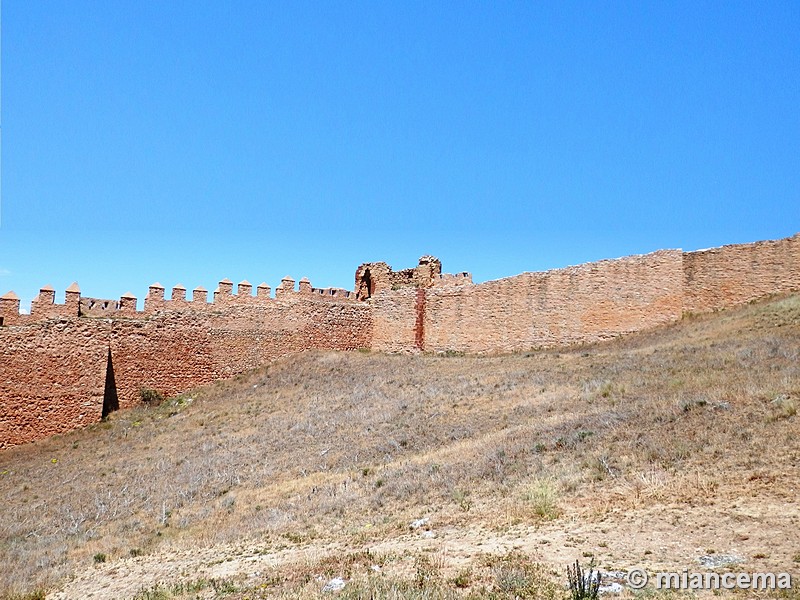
(334, 585)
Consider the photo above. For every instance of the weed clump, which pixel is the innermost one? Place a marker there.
(583, 585)
(543, 500)
(150, 396)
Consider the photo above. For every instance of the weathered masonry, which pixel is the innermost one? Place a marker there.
(67, 365)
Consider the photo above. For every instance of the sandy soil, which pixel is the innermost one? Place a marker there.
(656, 537)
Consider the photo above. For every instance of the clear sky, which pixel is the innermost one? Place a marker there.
(185, 142)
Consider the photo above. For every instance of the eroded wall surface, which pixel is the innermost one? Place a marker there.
(54, 371)
(723, 277)
(581, 304)
(52, 377)
(394, 319)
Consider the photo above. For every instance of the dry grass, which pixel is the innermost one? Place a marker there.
(351, 447)
(512, 576)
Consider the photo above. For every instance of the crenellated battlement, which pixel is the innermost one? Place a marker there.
(9, 309)
(57, 359)
(44, 306)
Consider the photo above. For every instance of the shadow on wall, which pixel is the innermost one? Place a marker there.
(366, 287)
(110, 398)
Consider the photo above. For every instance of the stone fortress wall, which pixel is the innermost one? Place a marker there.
(67, 365)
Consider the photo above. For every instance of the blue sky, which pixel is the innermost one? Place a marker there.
(189, 141)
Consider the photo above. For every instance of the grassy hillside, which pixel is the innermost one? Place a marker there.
(647, 451)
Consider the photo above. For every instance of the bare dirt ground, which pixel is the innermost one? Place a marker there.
(651, 451)
(656, 538)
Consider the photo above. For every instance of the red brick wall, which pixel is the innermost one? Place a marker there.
(52, 372)
(51, 376)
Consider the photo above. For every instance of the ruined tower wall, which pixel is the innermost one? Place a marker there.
(394, 318)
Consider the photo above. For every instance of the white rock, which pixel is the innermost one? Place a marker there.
(419, 523)
(334, 585)
(610, 588)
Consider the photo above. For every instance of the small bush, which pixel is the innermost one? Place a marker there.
(156, 592)
(462, 498)
(99, 558)
(783, 407)
(150, 396)
(543, 500)
(463, 579)
(518, 577)
(583, 585)
(426, 571)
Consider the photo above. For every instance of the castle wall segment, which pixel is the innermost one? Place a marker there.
(581, 304)
(54, 369)
(719, 278)
(53, 362)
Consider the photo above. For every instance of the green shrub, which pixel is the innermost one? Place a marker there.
(583, 585)
(518, 577)
(461, 498)
(463, 579)
(543, 499)
(150, 396)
